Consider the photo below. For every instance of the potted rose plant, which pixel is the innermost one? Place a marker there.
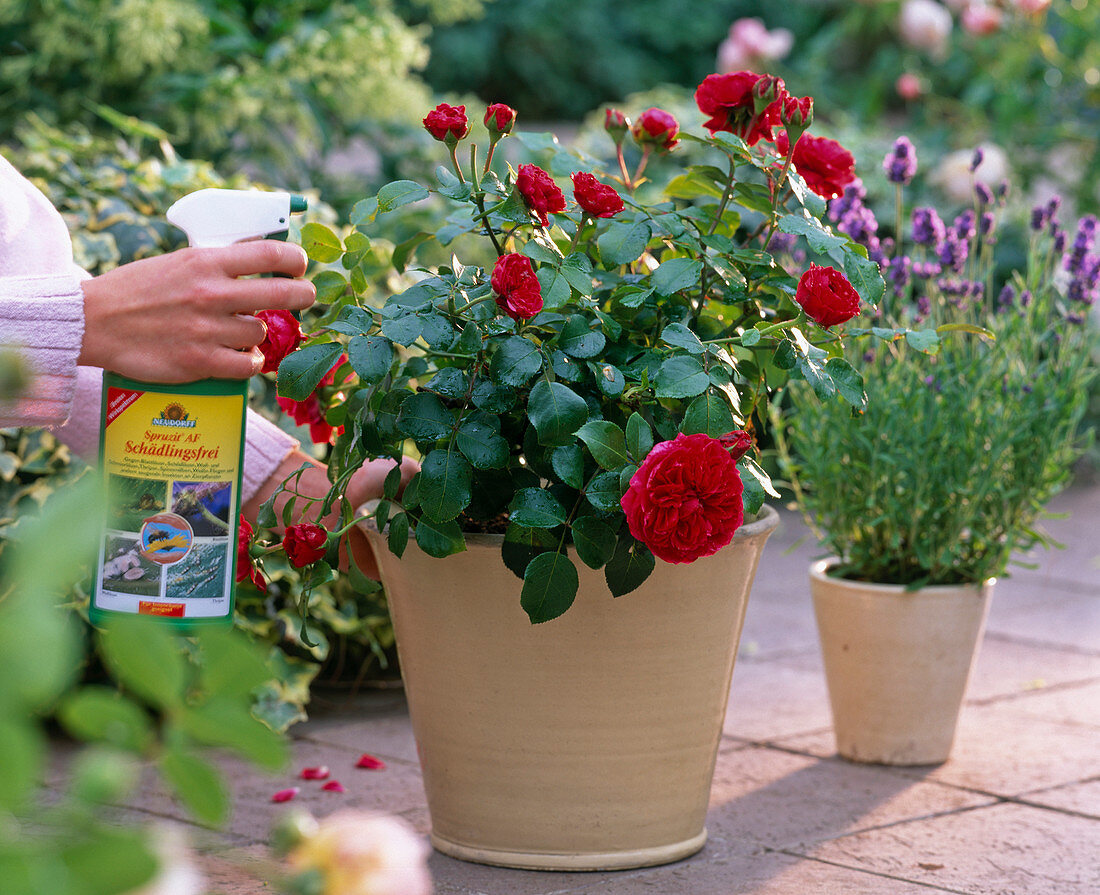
(584, 397)
(922, 500)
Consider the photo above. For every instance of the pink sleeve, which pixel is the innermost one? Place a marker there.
(265, 447)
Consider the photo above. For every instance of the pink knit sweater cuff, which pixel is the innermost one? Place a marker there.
(42, 319)
(266, 446)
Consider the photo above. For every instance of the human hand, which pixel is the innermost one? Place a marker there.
(185, 316)
(366, 484)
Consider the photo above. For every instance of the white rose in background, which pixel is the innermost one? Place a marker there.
(981, 18)
(954, 177)
(178, 874)
(751, 46)
(925, 25)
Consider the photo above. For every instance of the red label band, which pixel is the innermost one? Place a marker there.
(118, 399)
(170, 610)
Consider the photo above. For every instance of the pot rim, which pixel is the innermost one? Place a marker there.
(819, 568)
(766, 520)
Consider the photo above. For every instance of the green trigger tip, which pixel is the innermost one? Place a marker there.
(298, 204)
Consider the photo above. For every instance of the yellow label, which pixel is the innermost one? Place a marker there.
(171, 463)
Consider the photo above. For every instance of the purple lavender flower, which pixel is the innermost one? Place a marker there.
(1082, 244)
(898, 270)
(900, 163)
(782, 242)
(1025, 298)
(1060, 239)
(953, 252)
(1006, 297)
(1038, 218)
(964, 225)
(984, 193)
(928, 228)
(924, 305)
(976, 159)
(1002, 190)
(986, 224)
(927, 269)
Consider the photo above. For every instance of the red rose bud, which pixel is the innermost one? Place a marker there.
(765, 92)
(596, 199)
(657, 127)
(519, 293)
(284, 334)
(499, 119)
(826, 296)
(797, 113)
(369, 763)
(447, 123)
(616, 124)
(245, 570)
(540, 193)
(305, 543)
(685, 500)
(825, 165)
(729, 101)
(738, 443)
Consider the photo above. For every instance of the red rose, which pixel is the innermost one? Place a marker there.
(737, 443)
(797, 113)
(310, 412)
(304, 543)
(447, 123)
(597, 199)
(825, 165)
(499, 118)
(685, 500)
(284, 334)
(728, 100)
(826, 296)
(616, 124)
(539, 192)
(519, 293)
(658, 127)
(245, 570)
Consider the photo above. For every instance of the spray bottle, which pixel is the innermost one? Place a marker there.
(172, 456)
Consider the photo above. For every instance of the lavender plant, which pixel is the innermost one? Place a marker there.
(946, 472)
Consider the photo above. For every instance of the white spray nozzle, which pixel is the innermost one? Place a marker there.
(214, 217)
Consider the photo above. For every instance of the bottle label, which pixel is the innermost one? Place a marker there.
(172, 467)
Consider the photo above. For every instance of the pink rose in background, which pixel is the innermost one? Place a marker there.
(658, 127)
(751, 46)
(685, 500)
(909, 86)
(926, 25)
(982, 19)
(539, 192)
(519, 293)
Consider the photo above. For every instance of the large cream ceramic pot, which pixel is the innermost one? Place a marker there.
(897, 663)
(584, 743)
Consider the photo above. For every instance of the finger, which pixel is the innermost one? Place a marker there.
(262, 256)
(249, 296)
(242, 332)
(224, 363)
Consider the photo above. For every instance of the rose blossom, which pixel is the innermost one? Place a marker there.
(825, 165)
(738, 443)
(283, 335)
(751, 45)
(909, 86)
(595, 198)
(954, 177)
(826, 296)
(500, 118)
(981, 19)
(362, 853)
(305, 543)
(728, 100)
(447, 123)
(685, 500)
(925, 25)
(616, 124)
(1031, 7)
(310, 412)
(796, 113)
(539, 192)
(519, 293)
(658, 127)
(245, 570)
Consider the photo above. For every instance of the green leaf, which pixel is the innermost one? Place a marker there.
(404, 330)
(629, 566)
(370, 357)
(679, 336)
(555, 287)
(228, 722)
(424, 418)
(639, 437)
(479, 440)
(692, 186)
(515, 362)
(708, 414)
(397, 537)
(106, 860)
(22, 750)
(321, 244)
(567, 462)
(784, 356)
(750, 337)
(330, 285)
(556, 412)
(923, 340)
(145, 658)
(606, 441)
(603, 492)
(848, 382)
(364, 211)
(810, 361)
(403, 251)
(577, 269)
(400, 192)
(675, 275)
(579, 340)
(301, 370)
(446, 480)
(493, 398)
(609, 379)
(865, 277)
(962, 328)
(231, 663)
(99, 713)
(536, 508)
(594, 540)
(392, 482)
(439, 539)
(754, 479)
(521, 545)
(681, 377)
(450, 186)
(549, 587)
(198, 784)
(819, 239)
(623, 242)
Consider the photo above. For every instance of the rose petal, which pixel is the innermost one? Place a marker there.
(285, 795)
(333, 786)
(318, 773)
(370, 762)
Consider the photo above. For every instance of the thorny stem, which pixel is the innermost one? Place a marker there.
(727, 194)
(622, 167)
(647, 151)
(455, 164)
